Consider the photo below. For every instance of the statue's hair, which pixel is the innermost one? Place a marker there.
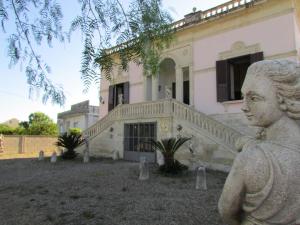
(285, 76)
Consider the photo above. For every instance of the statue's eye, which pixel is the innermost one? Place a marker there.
(255, 98)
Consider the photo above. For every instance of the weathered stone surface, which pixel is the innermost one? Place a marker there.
(53, 158)
(41, 155)
(263, 186)
(144, 169)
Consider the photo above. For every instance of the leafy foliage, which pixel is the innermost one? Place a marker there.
(41, 124)
(38, 124)
(75, 131)
(168, 147)
(69, 142)
(35, 22)
(5, 129)
(140, 32)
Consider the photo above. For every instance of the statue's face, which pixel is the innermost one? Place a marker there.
(260, 102)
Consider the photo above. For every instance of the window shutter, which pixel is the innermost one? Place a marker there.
(223, 80)
(111, 97)
(174, 90)
(126, 93)
(258, 56)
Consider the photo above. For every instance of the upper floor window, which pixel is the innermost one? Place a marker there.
(117, 93)
(231, 74)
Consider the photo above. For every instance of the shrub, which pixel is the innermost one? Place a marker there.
(69, 142)
(75, 131)
(168, 147)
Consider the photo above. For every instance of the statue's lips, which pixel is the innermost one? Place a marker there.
(249, 116)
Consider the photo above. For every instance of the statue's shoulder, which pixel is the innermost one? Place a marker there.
(252, 154)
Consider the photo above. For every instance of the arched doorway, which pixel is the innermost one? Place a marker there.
(166, 78)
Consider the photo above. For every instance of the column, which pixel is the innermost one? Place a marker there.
(145, 87)
(154, 87)
(192, 85)
(179, 84)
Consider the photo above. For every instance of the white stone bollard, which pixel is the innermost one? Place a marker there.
(41, 155)
(116, 155)
(53, 157)
(86, 156)
(201, 178)
(160, 158)
(144, 169)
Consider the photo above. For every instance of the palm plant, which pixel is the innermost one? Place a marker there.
(168, 147)
(69, 141)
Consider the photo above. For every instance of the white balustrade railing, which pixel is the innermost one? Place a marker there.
(213, 127)
(215, 11)
(166, 108)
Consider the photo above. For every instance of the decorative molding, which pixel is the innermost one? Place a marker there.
(239, 48)
(181, 54)
(283, 55)
(164, 125)
(205, 70)
(119, 79)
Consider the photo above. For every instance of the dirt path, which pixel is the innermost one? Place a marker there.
(103, 192)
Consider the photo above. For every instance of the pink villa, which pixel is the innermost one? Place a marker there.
(197, 91)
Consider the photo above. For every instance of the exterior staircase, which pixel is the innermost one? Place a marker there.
(196, 124)
(167, 108)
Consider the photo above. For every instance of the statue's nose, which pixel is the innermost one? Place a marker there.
(245, 107)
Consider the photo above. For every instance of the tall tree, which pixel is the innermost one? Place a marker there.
(140, 32)
(41, 124)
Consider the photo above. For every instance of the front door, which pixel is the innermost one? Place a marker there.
(136, 141)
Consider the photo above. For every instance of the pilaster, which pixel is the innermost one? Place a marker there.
(179, 83)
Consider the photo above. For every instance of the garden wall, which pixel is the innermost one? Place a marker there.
(24, 146)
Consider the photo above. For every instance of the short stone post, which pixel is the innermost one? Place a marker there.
(53, 157)
(86, 156)
(160, 158)
(201, 178)
(41, 155)
(86, 151)
(144, 169)
(116, 155)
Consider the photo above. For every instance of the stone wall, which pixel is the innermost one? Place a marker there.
(16, 146)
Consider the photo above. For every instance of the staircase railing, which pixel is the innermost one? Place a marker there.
(166, 108)
(214, 128)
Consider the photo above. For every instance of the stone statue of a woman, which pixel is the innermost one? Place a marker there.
(263, 186)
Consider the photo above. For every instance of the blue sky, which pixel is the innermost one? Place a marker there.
(64, 59)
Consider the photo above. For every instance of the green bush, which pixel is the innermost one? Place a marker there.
(75, 131)
(168, 147)
(69, 142)
(6, 130)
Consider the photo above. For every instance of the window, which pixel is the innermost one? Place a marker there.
(186, 85)
(75, 125)
(115, 91)
(231, 74)
(137, 137)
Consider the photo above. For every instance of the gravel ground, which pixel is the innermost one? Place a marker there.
(103, 192)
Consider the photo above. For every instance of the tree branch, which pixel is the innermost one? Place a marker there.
(25, 34)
